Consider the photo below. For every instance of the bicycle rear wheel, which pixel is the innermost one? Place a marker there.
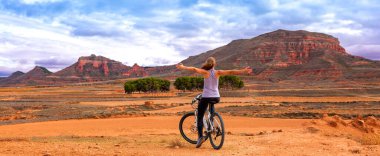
(188, 128)
(217, 135)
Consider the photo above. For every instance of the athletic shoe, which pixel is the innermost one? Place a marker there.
(200, 141)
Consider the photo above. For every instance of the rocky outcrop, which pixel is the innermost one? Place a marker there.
(35, 76)
(5, 80)
(99, 68)
(286, 48)
(16, 74)
(93, 67)
(286, 54)
(274, 56)
(94, 62)
(136, 71)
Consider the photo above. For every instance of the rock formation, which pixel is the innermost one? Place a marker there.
(274, 56)
(94, 67)
(291, 55)
(34, 77)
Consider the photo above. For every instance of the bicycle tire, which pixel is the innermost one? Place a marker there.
(181, 129)
(222, 133)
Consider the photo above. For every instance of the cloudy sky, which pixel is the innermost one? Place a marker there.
(54, 33)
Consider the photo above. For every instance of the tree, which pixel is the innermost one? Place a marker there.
(196, 83)
(165, 86)
(230, 82)
(129, 87)
(147, 85)
(189, 83)
(179, 83)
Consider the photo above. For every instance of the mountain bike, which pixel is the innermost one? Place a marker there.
(213, 125)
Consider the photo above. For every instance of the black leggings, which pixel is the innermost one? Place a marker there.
(202, 107)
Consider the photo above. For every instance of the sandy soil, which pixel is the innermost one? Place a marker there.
(317, 99)
(187, 107)
(154, 135)
(134, 134)
(169, 100)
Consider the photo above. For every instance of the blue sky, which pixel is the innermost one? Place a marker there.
(54, 33)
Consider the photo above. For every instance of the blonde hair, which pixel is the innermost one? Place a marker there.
(209, 64)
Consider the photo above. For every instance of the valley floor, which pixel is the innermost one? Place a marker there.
(262, 119)
(157, 135)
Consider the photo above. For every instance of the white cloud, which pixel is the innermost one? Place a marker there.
(330, 24)
(366, 50)
(25, 38)
(166, 35)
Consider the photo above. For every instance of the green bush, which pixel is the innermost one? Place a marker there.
(150, 84)
(189, 83)
(230, 82)
(129, 87)
(196, 83)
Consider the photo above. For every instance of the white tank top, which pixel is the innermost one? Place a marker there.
(211, 84)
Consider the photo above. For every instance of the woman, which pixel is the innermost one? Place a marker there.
(210, 89)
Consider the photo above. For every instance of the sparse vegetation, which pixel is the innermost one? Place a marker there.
(370, 139)
(176, 143)
(13, 139)
(188, 83)
(230, 82)
(355, 151)
(109, 101)
(332, 123)
(147, 85)
(312, 129)
(196, 83)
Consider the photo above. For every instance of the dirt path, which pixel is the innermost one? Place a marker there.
(187, 107)
(157, 135)
(141, 125)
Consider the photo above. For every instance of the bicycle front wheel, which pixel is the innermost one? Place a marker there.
(217, 134)
(188, 128)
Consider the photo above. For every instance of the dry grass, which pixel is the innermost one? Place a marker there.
(315, 99)
(362, 130)
(149, 104)
(362, 126)
(372, 121)
(13, 139)
(332, 123)
(141, 95)
(312, 129)
(247, 134)
(370, 139)
(355, 151)
(176, 143)
(338, 119)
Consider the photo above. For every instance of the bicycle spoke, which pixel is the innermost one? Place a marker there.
(217, 135)
(188, 128)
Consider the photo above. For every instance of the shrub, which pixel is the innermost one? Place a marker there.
(150, 84)
(129, 87)
(230, 82)
(196, 83)
(176, 143)
(189, 83)
(370, 139)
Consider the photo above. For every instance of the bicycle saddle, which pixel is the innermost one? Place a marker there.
(213, 102)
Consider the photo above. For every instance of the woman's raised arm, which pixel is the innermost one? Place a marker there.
(197, 70)
(246, 70)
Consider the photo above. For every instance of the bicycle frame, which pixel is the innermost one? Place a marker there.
(207, 123)
(212, 121)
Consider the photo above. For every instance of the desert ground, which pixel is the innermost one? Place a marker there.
(264, 118)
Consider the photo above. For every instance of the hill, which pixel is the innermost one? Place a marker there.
(283, 54)
(274, 56)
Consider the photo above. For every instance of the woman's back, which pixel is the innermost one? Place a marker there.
(210, 94)
(210, 85)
